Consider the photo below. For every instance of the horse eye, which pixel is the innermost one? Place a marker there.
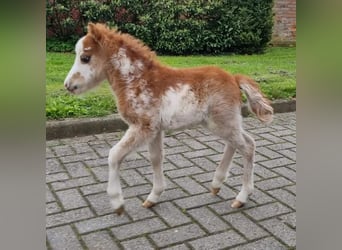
(85, 59)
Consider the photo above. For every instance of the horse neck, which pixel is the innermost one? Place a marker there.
(127, 65)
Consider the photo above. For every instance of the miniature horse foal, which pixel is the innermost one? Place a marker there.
(152, 97)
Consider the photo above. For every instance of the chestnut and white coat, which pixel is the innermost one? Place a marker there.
(152, 97)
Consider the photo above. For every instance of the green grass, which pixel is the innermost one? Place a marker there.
(274, 70)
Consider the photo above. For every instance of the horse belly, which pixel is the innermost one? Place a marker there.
(180, 109)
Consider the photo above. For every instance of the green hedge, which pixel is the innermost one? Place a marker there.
(168, 26)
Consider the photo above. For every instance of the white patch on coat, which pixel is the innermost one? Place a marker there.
(129, 70)
(141, 103)
(180, 108)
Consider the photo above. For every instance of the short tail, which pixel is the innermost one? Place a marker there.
(257, 102)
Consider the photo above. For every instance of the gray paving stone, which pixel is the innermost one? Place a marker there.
(286, 172)
(197, 200)
(288, 153)
(177, 247)
(224, 207)
(78, 182)
(137, 244)
(194, 144)
(149, 170)
(78, 157)
(272, 138)
(204, 177)
(177, 150)
(63, 150)
(218, 241)
(138, 228)
(261, 130)
(190, 186)
(199, 153)
(77, 169)
(101, 173)
(53, 166)
(289, 219)
(179, 161)
(100, 222)
(207, 219)
(263, 172)
(268, 152)
(273, 183)
(281, 230)
(94, 189)
(184, 172)
(81, 147)
(172, 142)
(100, 162)
(260, 197)
(100, 241)
(284, 132)
(136, 190)
(217, 146)
(100, 203)
(267, 211)
(208, 138)
(281, 146)
(280, 162)
(132, 177)
(268, 243)
(284, 196)
(263, 142)
(51, 208)
(177, 235)
(290, 138)
(68, 217)
(172, 194)
(56, 177)
(48, 195)
(245, 226)
(62, 238)
(204, 163)
(102, 149)
(71, 198)
(168, 183)
(193, 132)
(172, 215)
(133, 207)
(49, 153)
(292, 189)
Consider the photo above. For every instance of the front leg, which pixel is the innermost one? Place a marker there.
(133, 138)
(155, 148)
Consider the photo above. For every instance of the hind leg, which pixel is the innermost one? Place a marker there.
(222, 171)
(246, 146)
(155, 148)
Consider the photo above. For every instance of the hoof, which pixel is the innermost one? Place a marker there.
(215, 191)
(148, 204)
(120, 210)
(237, 204)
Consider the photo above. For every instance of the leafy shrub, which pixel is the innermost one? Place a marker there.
(167, 26)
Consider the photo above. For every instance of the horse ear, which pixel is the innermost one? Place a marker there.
(96, 31)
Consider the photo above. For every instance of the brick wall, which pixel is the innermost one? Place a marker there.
(284, 29)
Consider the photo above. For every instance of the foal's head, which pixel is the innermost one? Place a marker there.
(88, 70)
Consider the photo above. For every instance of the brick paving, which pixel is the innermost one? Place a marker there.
(79, 216)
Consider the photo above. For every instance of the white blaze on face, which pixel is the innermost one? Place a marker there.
(180, 108)
(83, 76)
